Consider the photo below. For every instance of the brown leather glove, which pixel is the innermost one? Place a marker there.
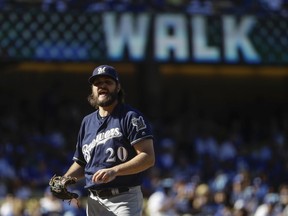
(58, 187)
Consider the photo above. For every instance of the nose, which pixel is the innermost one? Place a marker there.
(102, 84)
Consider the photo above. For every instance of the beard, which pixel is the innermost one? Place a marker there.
(110, 99)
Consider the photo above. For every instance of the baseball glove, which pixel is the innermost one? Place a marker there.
(58, 187)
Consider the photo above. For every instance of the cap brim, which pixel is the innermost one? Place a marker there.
(92, 78)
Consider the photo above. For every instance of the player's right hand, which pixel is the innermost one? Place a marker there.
(104, 176)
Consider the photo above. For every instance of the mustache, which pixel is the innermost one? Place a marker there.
(94, 102)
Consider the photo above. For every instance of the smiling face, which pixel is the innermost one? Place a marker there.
(104, 91)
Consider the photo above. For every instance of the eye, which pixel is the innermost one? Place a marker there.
(97, 83)
(109, 82)
(101, 82)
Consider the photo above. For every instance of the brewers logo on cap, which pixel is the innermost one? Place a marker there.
(101, 70)
(104, 70)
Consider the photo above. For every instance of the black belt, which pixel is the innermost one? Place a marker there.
(104, 193)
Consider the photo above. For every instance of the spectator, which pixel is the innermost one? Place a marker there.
(269, 206)
(162, 201)
(6, 208)
(201, 202)
(50, 205)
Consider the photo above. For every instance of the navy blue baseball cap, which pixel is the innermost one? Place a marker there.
(104, 70)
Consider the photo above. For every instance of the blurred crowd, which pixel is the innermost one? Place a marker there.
(259, 7)
(236, 173)
(203, 167)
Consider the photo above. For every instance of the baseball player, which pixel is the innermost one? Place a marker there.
(114, 148)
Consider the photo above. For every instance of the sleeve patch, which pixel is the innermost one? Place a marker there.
(138, 123)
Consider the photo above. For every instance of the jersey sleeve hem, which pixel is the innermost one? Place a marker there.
(80, 162)
(142, 138)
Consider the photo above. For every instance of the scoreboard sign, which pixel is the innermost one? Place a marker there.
(160, 37)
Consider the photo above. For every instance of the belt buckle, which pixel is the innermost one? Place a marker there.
(96, 192)
(104, 193)
(114, 191)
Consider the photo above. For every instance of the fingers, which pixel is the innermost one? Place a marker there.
(98, 177)
(103, 176)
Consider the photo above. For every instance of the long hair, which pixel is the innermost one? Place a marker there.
(121, 96)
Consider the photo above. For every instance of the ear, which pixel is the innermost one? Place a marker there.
(118, 87)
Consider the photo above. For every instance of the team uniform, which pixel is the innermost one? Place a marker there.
(107, 142)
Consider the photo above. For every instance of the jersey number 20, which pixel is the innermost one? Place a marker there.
(121, 153)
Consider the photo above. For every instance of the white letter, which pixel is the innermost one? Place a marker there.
(237, 39)
(171, 35)
(131, 32)
(200, 48)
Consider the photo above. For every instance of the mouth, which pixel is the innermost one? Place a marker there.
(103, 93)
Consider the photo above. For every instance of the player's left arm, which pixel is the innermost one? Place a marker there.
(144, 159)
